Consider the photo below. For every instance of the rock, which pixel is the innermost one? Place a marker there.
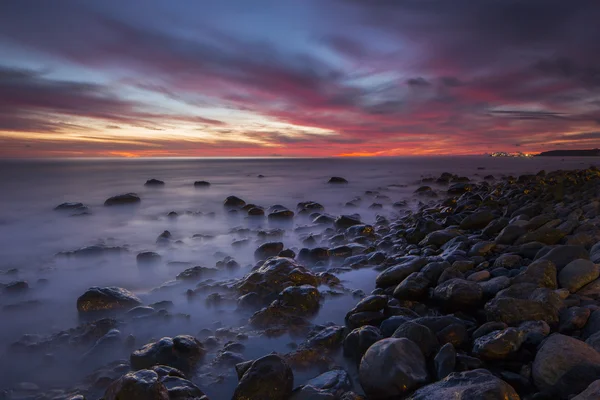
(105, 299)
(269, 249)
(455, 333)
(346, 221)
(281, 215)
(458, 294)
(562, 255)
(478, 384)
(234, 202)
(392, 368)
(359, 340)
(148, 258)
(577, 274)
(182, 352)
(591, 393)
(274, 275)
(200, 184)
(510, 233)
(196, 273)
(592, 325)
(16, 287)
(303, 300)
(330, 337)
(498, 345)
(414, 287)
(545, 234)
(337, 180)
(182, 389)
(444, 361)
(477, 220)
(482, 249)
(71, 206)
(329, 385)
(565, 366)
(541, 273)
(139, 385)
(573, 319)
(479, 276)
(493, 286)
(154, 182)
(268, 378)
(128, 198)
(508, 261)
(513, 311)
(420, 334)
(396, 274)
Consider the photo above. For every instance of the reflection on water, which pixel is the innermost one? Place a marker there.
(202, 233)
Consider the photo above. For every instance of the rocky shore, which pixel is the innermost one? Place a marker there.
(489, 290)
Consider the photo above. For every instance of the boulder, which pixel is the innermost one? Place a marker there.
(392, 368)
(477, 220)
(200, 184)
(577, 274)
(154, 182)
(106, 299)
(420, 334)
(329, 385)
(513, 311)
(591, 393)
(498, 345)
(565, 366)
(182, 352)
(478, 384)
(337, 180)
(541, 273)
(128, 198)
(359, 340)
(139, 385)
(269, 249)
(268, 378)
(562, 255)
(234, 202)
(444, 361)
(396, 274)
(413, 287)
(458, 294)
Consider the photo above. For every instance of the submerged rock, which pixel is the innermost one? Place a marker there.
(337, 179)
(154, 182)
(140, 385)
(106, 299)
(182, 352)
(267, 378)
(128, 198)
(200, 184)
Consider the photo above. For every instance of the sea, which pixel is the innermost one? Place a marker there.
(35, 240)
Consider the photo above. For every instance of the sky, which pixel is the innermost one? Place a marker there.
(316, 78)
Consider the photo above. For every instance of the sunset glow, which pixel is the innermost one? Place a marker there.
(299, 78)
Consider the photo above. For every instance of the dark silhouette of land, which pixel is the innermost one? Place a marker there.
(570, 153)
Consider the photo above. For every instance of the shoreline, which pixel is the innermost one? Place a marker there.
(496, 277)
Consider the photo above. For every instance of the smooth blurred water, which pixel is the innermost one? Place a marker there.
(32, 233)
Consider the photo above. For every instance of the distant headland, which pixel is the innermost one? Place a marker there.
(570, 153)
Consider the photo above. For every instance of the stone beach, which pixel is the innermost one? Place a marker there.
(488, 290)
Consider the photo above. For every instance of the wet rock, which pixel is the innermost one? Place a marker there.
(302, 299)
(140, 385)
(330, 337)
(420, 334)
(329, 385)
(577, 274)
(482, 249)
(392, 368)
(70, 206)
(511, 233)
(274, 275)
(573, 318)
(513, 311)
(414, 287)
(154, 182)
(508, 261)
(591, 393)
(477, 220)
(148, 258)
(565, 366)
(196, 273)
(458, 294)
(281, 215)
(593, 325)
(488, 327)
(16, 287)
(201, 184)
(182, 352)
(359, 340)
(268, 378)
(105, 299)
(444, 361)
(337, 180)
(128, 198)
(396, 274)
(478, 384)
(346, 221)
(269, 249)
(455, 333)
(541, 273)
(256, 212)
(562, 255)
(182, 389)
(498, 345)
(234, 202)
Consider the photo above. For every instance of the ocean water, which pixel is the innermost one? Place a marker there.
(32, 235)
